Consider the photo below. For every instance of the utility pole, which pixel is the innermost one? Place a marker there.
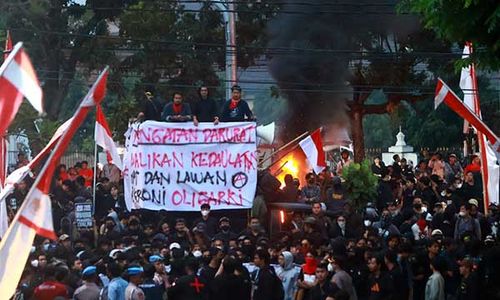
(229, 15)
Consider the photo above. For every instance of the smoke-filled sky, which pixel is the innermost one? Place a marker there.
(316, 82)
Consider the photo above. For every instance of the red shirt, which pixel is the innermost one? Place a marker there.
(88, 174)
(49, 290)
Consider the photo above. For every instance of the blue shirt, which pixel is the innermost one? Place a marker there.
(116, 289)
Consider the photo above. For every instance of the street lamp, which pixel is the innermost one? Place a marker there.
(228, 13)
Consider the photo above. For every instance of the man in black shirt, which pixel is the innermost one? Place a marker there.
(381, 284)
(236, 109)
(209, 221)
(151, 108)
(401, 288)
(205, 109)
(324, 288)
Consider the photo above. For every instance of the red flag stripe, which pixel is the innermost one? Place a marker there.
(101, 119)
(316, 137)
(452, 100)
(21, 74)
(50, 234)
(44, 184)
(10, 100)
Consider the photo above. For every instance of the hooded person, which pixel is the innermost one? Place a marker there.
(288, 272)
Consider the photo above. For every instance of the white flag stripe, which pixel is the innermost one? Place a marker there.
(11, 180)
(493, 185)
(19, 239)
(440, 96)
(105, 141)
(309, 148)
(38, 213)
(30, 88)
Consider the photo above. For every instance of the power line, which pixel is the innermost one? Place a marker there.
(274, 50)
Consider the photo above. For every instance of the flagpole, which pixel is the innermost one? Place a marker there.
(95, 177)
(283, 147)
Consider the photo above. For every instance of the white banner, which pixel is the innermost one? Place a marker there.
(179, 167)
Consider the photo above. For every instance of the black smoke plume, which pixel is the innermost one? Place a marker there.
(311, 45)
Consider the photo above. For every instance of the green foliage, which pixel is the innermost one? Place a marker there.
(360, 183)
(464, 20)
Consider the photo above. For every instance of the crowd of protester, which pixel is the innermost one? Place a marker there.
(426, 235)
(423, 237)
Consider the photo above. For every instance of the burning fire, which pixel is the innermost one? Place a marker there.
(294, 163)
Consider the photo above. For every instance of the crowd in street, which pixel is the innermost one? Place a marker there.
(423, 237)
(426, 235)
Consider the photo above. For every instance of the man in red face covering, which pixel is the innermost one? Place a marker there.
(177, 110)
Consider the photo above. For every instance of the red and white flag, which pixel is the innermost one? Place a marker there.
(489, 167)
(489, 143)
(446, 95)
(19, 174)
(35, 214)
(17, 80)
(103, 138)
(312, 146)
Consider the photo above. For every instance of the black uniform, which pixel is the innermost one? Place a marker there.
(188, 287)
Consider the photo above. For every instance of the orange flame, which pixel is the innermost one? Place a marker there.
(294, 163)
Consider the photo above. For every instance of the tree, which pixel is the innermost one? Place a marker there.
(459, 21)
(360, 183)
(160, 46)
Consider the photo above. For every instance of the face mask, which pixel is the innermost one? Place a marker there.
(368, 223)
(459, 185)
(424, 208)
(462, 213)
(341, 224)
(197, 253)
(330, 268)
(34, 263)
(46, 247)
(255, 226)
(205, 213)
(443, 193)
(33, 249)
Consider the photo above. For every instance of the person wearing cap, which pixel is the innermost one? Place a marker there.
(476, 214)
(89, 290)
(236, 109)
(177, 110)
(63, 249)
(133, 291)
(151, 289)
(209, 221)
(466, 224)
(225, 234)
(205, 109)
(160, 276)
(452, 168)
